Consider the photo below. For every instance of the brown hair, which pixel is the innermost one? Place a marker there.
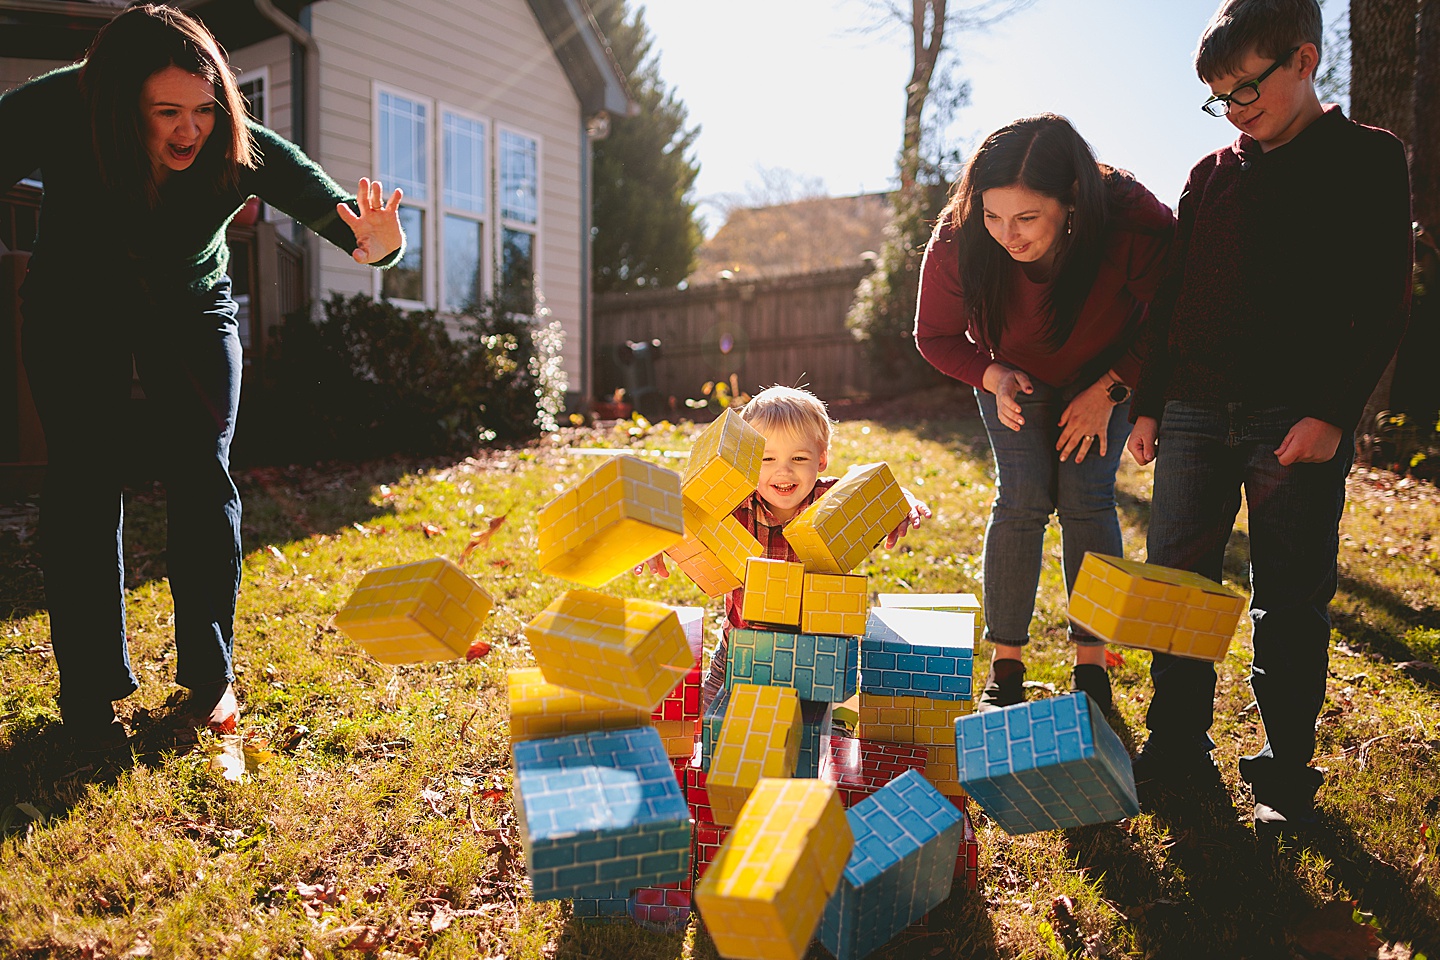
(138, 43)
(1270, 28)
(1046, 155)
(793, 409)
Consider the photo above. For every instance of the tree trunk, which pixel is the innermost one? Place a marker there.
(1382, 60)
(1425, 152)
(927, 31)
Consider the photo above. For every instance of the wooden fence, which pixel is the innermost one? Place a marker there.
(788, 330)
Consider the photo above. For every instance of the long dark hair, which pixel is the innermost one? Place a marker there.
(1043, 154)
(141, 41)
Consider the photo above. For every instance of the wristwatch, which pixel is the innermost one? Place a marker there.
(1117, 392)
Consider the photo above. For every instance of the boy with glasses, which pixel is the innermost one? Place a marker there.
(1288, 298)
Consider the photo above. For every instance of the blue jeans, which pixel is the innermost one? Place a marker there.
(1205, 455)
(187, 353)
(1031, 484)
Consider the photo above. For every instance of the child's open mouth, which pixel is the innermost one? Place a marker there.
(784, 489)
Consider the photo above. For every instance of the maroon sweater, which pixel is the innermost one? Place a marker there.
(1292, 280)
(1105, 334)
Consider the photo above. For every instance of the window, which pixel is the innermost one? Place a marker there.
(403, 128)
(252, 88)
(520, 218)
(464, 175)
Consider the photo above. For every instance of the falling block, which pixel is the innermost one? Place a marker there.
(701, 565)
(760, 738)
(631, 651)
(601, 814)
(917, 720)
(817, 666)
(540, 710)
(834, 533)
(766, 891)
(907, 837)
(833, 603)
(815, 720)
(1154, 608)
(621, 514)
(772, 592)
(1046, 765)
(428, 610)
(918, 653)
(860, 767)
(724, 464)
(722, 535)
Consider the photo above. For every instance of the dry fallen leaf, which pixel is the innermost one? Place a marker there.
(481, 538)
(477, 650)
(430, 530)
(1332, 933)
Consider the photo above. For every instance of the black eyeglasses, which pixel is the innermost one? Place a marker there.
(1245, 94)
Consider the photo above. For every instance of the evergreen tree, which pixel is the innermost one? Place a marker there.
(645, 230)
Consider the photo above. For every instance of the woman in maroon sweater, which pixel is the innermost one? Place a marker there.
(1032, 291)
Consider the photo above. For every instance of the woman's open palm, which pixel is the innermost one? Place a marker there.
(377, 226)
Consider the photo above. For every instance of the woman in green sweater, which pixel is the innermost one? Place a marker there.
(146, 154)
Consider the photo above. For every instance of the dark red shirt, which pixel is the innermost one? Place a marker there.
(1292, 279)
(1106, 332)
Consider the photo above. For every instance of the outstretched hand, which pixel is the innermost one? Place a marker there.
(377, 226)
(918, 511)
(655, 565)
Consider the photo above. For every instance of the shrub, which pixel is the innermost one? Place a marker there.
(370, 380)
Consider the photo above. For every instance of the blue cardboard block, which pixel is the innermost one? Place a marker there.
(601, 814)
(815, 718)
(711, 721)
(818, 666)
(1045, 765)
(592, 910)
(907, 836)
(918, 653)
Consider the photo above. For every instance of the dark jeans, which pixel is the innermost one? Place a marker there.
(1031, 484)
(1205, 455)
(79, 361)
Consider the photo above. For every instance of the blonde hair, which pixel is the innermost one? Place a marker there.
(790, 408)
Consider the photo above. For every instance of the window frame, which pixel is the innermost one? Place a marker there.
(428, 246)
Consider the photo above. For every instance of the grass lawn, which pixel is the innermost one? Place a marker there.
(374, 817)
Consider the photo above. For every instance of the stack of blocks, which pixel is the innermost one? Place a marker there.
(907, 839)
(1154, 608)
(1046, 765)
(624, 512)
(916, 669)
(767, 890)
(724, 469)
(428, 610)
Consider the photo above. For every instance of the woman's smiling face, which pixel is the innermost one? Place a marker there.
(178, 109)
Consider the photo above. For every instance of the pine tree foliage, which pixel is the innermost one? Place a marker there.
(645, 229)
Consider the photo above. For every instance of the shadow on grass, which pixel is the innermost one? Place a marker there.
(1407, 908)
(1354, 611)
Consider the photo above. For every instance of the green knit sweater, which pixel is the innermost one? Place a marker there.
(89, 236)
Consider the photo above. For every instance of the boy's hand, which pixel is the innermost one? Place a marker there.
(1309, 441)
(655, 565)
(1005, 383)
(1085, 424)
(918, 511)
(1142, 439)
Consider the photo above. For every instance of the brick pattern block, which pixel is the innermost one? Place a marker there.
(631, 651)
(1155, 608)
(429, 610)
(772, 592)
(859, 767)
(918, 653)
(834, 603)
(1046, 765)
(765, 893)
(815, 721)
(760, 738)
(540, 710)
(834, 534)
(724, 464)
(907, 837)
(601, 814)
(817, 666)
(622, 513)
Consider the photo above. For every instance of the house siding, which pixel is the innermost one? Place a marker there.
(491, 60)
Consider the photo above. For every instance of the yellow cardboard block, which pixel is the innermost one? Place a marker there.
(1155, 608)
(723, 536)
(622, 513)
(772, 592)
(631, 651)
(759, 738)
(724, 465)
(766, 891)
(700, 564)
(834, 603)
(540, 710)
(917, 720)
(942, 769)
(429, 610)
(677, 735)
(834, 533)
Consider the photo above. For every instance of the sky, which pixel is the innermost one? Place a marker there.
(817, 88)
